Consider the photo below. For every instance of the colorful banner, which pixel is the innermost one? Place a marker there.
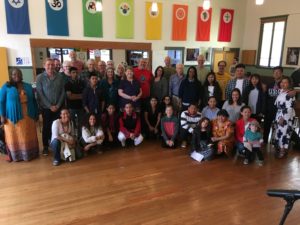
(92, 20)
(226, 21)
(153, 22)
(125, 19)
(17, 17)
(179, 27)
(57, 17)
(203, 24)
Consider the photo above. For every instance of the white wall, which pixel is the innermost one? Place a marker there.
(19, 46)
(269, 9)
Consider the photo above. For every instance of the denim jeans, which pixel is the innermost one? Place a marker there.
(55, 146)
(240, 149)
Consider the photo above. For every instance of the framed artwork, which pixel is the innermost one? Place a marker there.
(292, 56)
(192, 54)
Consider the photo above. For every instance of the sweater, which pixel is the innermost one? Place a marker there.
(169, 128)
(130, 124)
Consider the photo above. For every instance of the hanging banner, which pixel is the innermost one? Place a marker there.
(179, 27)
(57, 17)
(226, 21)
(92, 20)
(203, 24)
(153, 22)
(17, 17)
(125, 19)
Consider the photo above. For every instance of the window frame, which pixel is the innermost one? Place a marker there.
(273, 19)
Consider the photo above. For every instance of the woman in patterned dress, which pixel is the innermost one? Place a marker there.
(18, 110)
(284, 118)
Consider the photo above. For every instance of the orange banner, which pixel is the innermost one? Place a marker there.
(179, 28)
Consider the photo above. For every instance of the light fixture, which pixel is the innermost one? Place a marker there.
(98, 6)
(259, 2)
(206, 4)
(154, 7)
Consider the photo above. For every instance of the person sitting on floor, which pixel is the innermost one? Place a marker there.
(92, 134)
(201, 140)
(130, 126)
(152, 117)
(110, 125)
(188, 121)
(210, 111)
(169, 129)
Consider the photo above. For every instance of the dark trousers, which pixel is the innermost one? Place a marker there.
(184, 134)
(251, 155)
(269, 117)
(48, 118)
(164, 144)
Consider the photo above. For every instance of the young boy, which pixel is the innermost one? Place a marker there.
(130, 126)
(188, 121)
(169, 129)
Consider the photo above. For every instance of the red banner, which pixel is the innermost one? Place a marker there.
(203, 24)
(226, 22)
(180, 14)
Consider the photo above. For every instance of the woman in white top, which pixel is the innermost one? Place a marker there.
(233, 105)
(92, 134)
(63, 139)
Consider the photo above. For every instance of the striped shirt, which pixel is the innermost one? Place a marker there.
(188, 121)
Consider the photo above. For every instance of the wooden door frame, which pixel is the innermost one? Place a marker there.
(61, 43)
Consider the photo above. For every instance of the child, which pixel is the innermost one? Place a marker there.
(110, 125)
(164, 103)
(240, 127)
(130, 126)
(188, 121)
(169, 129)
(252, 142)
(201, 139)
(92, 134)
(210, 111)
(152, 117)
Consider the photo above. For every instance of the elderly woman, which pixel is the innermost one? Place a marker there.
(223, 131)
(63, 140)
(18, 110)
(159, 85)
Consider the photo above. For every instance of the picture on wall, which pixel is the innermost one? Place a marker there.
(292, 56)
(192, 54)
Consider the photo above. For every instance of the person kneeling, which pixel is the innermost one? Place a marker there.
(92, 134)
(63, 140)
(130, 126)
(169, 129)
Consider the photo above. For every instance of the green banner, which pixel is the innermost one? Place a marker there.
(125, 19)
(92, 20)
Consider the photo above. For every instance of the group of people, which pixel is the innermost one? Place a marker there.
(84, 109)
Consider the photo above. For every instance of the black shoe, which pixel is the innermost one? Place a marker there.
(45, 151)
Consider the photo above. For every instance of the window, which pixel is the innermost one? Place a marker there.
(103, 54)
(272, 32)
(176, 54)
(133, 57)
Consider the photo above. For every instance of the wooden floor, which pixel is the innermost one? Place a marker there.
(146, 185)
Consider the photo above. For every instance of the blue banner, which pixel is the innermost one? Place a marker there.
(57, 17)
(17, 18)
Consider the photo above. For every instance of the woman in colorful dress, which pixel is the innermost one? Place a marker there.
(284, 118)
(18, 110)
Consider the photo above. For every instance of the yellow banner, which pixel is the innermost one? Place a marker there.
(153, 22)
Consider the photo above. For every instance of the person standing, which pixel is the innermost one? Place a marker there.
(51, 96)
(169, 70)
(174, 84)
(159, 86)
(201, 70)
(223, 78)
(76, 63)
(18, 110)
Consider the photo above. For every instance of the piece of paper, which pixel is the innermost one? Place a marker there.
(197, 156)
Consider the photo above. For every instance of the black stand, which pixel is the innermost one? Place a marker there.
(290, 196)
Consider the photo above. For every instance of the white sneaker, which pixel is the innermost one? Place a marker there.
(246, 162)
(123, 143)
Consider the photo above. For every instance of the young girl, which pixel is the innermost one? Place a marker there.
(233, 105)
(92, 134)
(284, 118)
(211, 87)
(166, 101)
(252, 142)
(210, 111)
(254, 96)
(110, 125)
(201, 140)
(152, 117)
(169, 129)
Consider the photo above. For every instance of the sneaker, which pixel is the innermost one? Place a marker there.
(183, 144)
(45, 151)
(55, 163)
(246, 162)
(260, 162)
(123, 143)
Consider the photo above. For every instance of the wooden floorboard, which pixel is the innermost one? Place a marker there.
(146, 185)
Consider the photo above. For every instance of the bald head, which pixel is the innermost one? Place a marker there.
(168, 61)
(201, 60)
(72, 55)
(179, 68)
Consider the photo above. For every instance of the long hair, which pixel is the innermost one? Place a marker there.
(239, 101)
(195, 72)
(215, 83)
(86, 123)
(163, 71)
(259, 84)
(10, 82)
(208, 128)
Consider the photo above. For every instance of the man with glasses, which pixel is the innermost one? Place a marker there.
(222, 77)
